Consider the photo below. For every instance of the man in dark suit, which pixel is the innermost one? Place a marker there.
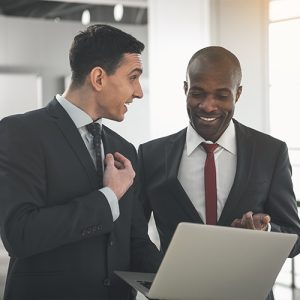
(68, 209)
(252, 173)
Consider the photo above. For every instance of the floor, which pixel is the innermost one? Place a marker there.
(282, 289)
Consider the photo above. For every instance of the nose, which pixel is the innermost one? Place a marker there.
(138, 92)
(208, 104)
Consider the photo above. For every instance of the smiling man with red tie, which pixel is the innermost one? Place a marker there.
(217, 171)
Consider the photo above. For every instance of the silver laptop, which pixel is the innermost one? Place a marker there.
(206, 262)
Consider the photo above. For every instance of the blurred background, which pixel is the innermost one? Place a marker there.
(35, 37)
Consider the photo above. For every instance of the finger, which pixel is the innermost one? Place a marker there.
(122, 159)
(109, 160)
(119, 165)
(266, 219)
(247, 220)
(236, 223)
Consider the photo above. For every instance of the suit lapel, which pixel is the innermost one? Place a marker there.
(109, 143)
(173, 154)
(245, 156)
(72, 135)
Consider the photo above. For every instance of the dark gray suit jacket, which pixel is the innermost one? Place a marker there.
(262, 184)
(55, 224)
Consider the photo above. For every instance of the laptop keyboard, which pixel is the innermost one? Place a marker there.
(146, 284)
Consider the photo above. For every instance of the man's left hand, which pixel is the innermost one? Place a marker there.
(249, 220)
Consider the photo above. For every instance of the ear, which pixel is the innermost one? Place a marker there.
(238, 93)
(185, 87)
(96, 77)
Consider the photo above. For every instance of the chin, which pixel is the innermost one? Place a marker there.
(120, 118)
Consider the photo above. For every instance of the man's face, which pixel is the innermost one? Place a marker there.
(212, 91)
(121, 88)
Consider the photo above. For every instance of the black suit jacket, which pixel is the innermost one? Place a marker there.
(262, 184)
(55, 224)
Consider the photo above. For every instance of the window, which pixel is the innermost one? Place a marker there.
(284, 49)
(284, 70)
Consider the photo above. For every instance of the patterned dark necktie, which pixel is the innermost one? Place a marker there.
(95, 130)
(210, 184)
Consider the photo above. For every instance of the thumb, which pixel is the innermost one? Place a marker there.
(266, 219)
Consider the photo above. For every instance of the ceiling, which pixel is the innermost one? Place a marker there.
(101, 11)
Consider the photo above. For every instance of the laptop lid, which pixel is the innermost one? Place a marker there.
(206, 262)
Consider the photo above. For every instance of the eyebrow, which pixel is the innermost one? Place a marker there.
(136, 70)
(202, 89)
(223, 90)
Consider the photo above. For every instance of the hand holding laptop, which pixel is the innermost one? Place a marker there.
(249, 220)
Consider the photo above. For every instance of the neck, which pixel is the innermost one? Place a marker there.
(83, 98)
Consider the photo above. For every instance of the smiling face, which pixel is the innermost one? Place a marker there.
(212, 89)
(120, 88)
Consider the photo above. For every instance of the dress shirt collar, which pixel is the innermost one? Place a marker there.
(78, 116)
(226, 141)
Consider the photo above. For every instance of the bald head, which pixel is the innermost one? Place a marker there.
(218, 58)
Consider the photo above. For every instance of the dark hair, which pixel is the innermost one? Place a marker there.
(100, 45)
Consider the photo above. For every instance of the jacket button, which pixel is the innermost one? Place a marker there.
(111, 243)
(106, 282)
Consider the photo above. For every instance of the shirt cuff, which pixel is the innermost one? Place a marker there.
(112, 201)
(269, 227)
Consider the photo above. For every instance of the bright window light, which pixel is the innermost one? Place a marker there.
(284, 64)
(284, 9)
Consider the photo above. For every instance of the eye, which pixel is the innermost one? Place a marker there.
(222, 96)
(134, 77)
(197, 94)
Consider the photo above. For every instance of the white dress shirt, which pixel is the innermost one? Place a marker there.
(191, 169)
(81, 119)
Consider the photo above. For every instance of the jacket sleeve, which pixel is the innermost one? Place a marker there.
(30, 222)
(145, 255)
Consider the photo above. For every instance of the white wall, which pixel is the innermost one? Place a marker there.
(19, 93)
(242, 27)
(177, 29)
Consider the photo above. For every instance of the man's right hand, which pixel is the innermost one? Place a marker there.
(118, 174)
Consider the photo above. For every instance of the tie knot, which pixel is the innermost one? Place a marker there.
(94, 128)
(209, 148)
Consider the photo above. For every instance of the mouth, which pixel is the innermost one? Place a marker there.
(126, 104)
(208, 119)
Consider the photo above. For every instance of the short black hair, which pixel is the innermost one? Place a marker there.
(100, 45)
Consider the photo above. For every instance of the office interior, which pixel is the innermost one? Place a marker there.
(34, 45)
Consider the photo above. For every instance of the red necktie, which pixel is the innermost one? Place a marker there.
(210, 184)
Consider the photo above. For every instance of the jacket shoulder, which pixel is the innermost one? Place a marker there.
(162, 141)
(257, 135)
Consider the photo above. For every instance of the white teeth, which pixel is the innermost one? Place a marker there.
(208, 119)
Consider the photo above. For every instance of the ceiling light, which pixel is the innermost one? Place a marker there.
(86, 17)
(118, 12)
